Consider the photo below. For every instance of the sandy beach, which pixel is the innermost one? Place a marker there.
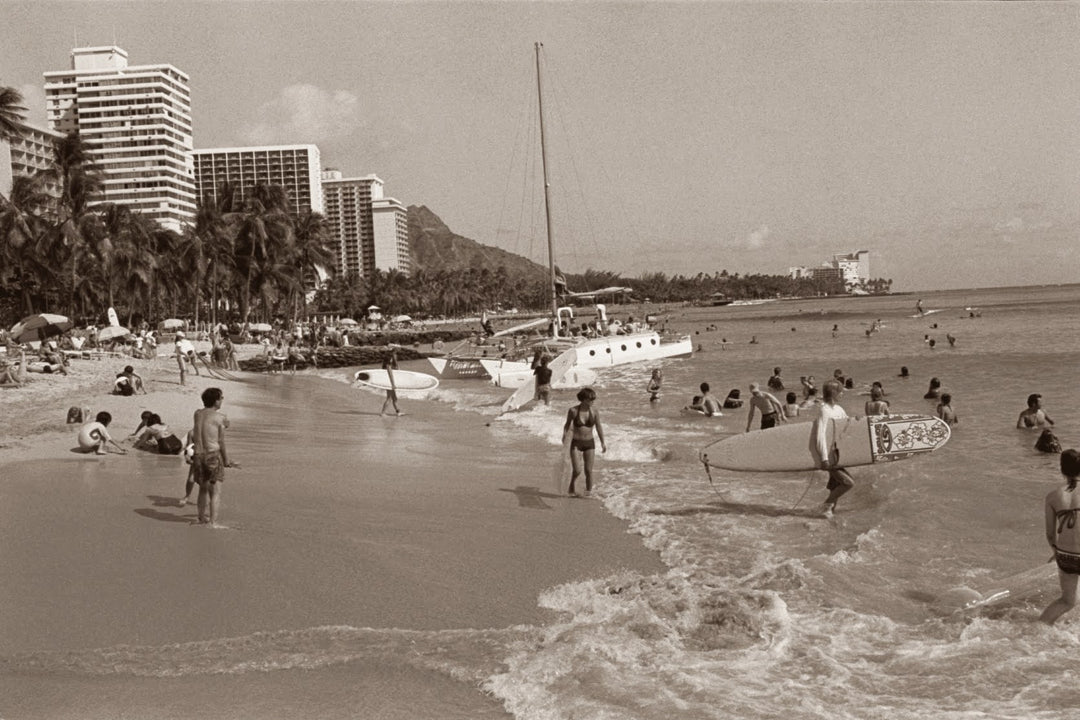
(124, 608)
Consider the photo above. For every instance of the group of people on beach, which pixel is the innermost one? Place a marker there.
(204, 448)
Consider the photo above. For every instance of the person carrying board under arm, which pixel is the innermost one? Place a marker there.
(839, 479)
(390, 365)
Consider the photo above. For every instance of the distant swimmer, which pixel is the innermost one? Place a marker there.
(776, 382)
(840, 481)
(951, 339)
(1063, 535)
(94, 437)
(1034, 416)
(934, 391)
(581, 421)
(733, 401)
(919, 307)
(791, 406)
(653, 388)
(772, 411)
(706, 403)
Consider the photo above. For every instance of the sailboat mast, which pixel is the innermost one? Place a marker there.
(547, 198)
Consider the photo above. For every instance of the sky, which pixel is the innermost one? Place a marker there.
(942, 137)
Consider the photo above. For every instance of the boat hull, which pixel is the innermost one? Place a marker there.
(596, 353)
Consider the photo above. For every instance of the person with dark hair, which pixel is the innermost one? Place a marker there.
(944, 410)
(1048, 442)
(934, 391)
(581, 420)
(1034, 416)
(93, 436)
(776, 382)
(543, 380)
(128, 382)
(791, 406)
(1063, 535)
(210, 458)
(903, 372)
(877, 404)
(733, 401)
(157, 437)
(839, 479)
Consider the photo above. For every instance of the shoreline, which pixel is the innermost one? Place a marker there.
(445, 539)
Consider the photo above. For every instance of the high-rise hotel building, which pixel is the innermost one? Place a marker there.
(136, 123)
(294, 167)
(30, 152)
(372, 230)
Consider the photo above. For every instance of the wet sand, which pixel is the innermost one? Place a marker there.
(355, 520)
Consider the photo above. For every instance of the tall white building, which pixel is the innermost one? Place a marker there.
(136, 123)
(294, 167)
(372, 230)
(852, 269)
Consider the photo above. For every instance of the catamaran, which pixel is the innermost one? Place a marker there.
(613, 343)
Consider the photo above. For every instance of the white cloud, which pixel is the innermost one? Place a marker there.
(305, 114)
(757, 236)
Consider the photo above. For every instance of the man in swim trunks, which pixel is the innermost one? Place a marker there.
(839, 479)
(1063, 534)
(1034, 416)
(772, 411)
(582, 419)
(211, 458)
(543, 380)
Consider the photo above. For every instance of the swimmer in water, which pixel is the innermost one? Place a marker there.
(1034, 416)
(653, 388)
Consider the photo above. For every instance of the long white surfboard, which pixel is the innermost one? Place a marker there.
(403, 380)
(559, 367)
(853, 442)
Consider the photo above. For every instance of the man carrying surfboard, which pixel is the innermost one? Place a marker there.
(839, 479)
(390, 365)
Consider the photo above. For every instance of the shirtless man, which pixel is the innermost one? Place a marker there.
(211, 458)
(1034, 416)
(772, 411)
(185, 353)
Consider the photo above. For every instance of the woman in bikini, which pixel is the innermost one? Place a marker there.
(1063, 534)
(583, 418)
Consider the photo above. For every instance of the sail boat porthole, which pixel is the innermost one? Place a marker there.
(639, 344)
(592, 352)
(652, 341)
(623, 348)
(607, 350)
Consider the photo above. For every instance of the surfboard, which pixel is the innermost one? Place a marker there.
(403, 380)
(114, 321)
(854, 441)
(1013, 588)
(559, 367)
(925, 313)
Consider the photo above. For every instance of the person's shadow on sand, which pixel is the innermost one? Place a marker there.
(162, 501)
(531, 498)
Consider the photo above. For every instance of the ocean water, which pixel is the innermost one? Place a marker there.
(762, 609)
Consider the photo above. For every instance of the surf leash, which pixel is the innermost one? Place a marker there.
(808, 486)
(708, 472)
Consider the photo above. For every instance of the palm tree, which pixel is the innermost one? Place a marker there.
(23, 226)
(12, 113)
(264, 228)
(312, 251)
(206, 237)
(79, 180)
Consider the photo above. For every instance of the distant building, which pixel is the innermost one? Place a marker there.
(852, 270)
(294, 167)
(30, 153)
(136, 123)
(372, 230)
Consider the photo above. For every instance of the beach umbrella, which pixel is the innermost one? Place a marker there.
(346, 321)
(260, 327)
(112, 332)
(172, 324)
(374, 307)
(403, 318)
(37, 326)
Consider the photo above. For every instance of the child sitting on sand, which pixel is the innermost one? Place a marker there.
(94, 437)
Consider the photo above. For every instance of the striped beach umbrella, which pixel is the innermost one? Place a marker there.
(40, 326)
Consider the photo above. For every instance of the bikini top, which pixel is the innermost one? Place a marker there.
(578, 422)
(1066, 519)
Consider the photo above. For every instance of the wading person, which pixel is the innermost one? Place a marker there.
(582, 419)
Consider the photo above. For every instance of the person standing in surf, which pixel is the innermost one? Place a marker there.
(390, 365)
(210, 458)
(1063, 535)
(839, 479)
(582, 419)
(772, 412)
